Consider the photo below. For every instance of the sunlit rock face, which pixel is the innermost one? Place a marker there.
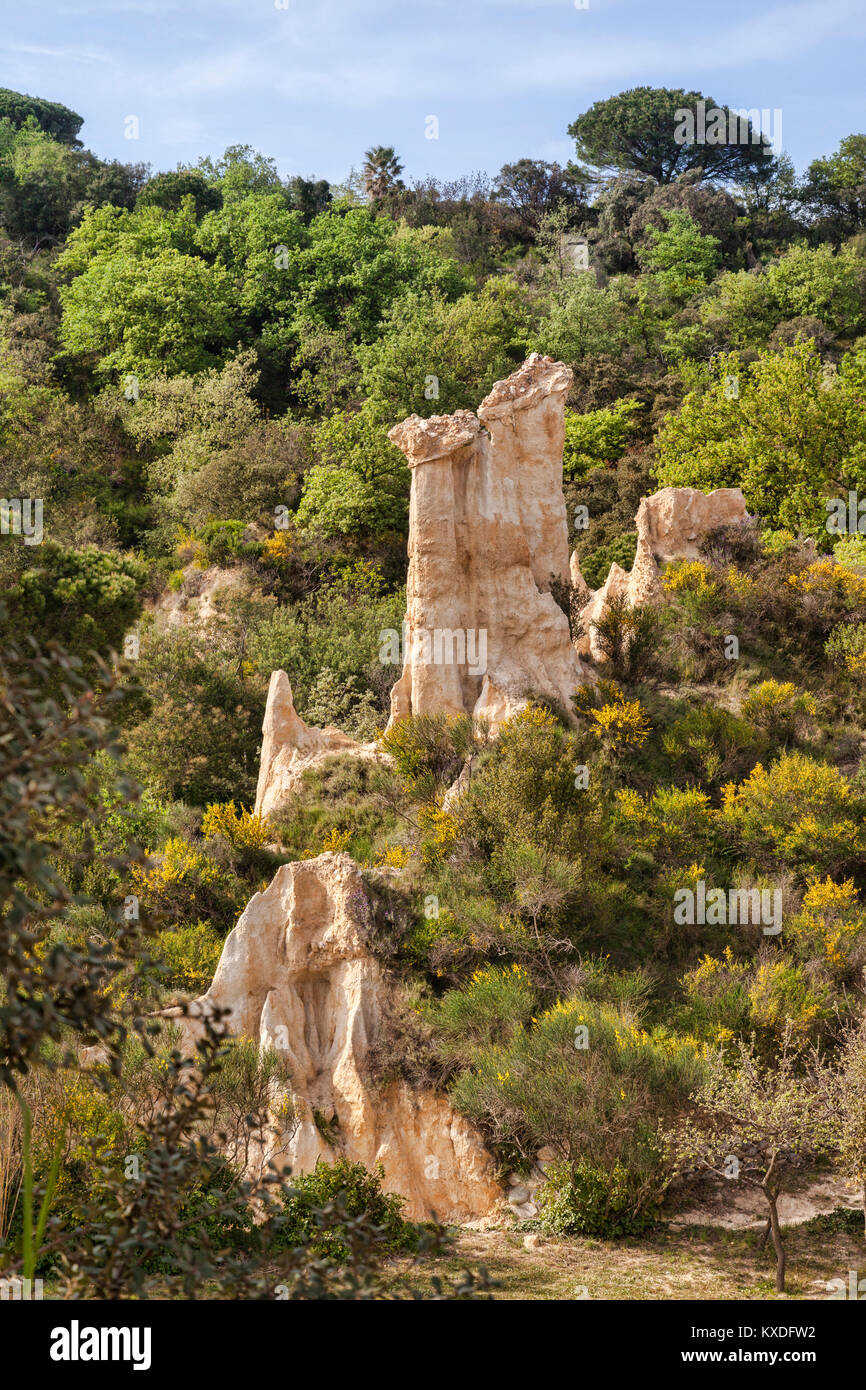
(296, 975)
(488, 553)
(670, 526)
(290, 746)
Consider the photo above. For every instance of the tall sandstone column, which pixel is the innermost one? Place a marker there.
(488, 537)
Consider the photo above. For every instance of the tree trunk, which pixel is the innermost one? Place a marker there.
(777, 1242)
(863, 1196)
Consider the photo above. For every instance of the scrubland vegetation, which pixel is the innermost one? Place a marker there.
(198, 370)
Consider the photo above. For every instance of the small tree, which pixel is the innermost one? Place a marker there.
(755, 1123)
(844, 1090)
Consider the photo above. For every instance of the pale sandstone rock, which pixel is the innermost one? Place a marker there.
(296, 975)
(290, 746)
(578, 583)
(674, 521)
(487, 536)
(670, 526)
(615, 584)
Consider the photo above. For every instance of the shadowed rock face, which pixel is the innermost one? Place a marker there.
(487, 539)
(296, 975)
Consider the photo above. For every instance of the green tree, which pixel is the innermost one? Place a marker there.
(381, 171)
(596, 439)
(780, 428)
(362, 482)
(679, 260)
(433, 357)
(85, 599)
(241, 172)
(168, 190)
(56, 120)
(637, 130)
(354, 266)
(834, 190)
(166, 312)
(534, 188)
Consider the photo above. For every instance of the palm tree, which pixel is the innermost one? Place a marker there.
(382, 169)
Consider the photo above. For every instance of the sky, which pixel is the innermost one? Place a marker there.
(313, 83)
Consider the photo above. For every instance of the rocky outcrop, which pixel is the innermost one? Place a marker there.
(488, 548)
(296, 975)
(670, 526)
(672, 523)
(290, 746)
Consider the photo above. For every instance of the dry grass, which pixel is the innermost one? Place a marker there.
(700, 1262)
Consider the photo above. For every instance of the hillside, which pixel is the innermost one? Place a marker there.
(433, 632)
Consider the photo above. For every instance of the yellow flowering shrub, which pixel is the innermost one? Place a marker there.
(621, 725)
(190, 953)
(673, 822)
(242, 828)
(440, 834)
(688, 576)
(742, 585)
(778, 706)
(184, 883)
(782, 995)
(846, 647)
(798, 812)
(335, 842)
(395, 857)
(829, 577)
(831, 924)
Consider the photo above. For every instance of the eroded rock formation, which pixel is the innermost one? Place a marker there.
(488, 541)
(289, 746)
(672, 523)
(670, 526)
(296, 975)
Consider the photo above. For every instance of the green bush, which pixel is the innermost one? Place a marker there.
(585, 1200)
(620, 551)
(350, 1191)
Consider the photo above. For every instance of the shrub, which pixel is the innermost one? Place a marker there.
(242, 828)
(185, 883)
(621, 725)
(484, 1013)
(191, 954)
(595, 565)
(627, 636)
(351, 1191)
(710, 744)
(826, 577)
(671, 824)
(582, 1199)
(778, 708)
(846, 647)
(429, 750)
(584, 1078)
(831, 925)
(798, 813)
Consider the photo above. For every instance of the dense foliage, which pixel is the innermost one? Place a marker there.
(198, 372)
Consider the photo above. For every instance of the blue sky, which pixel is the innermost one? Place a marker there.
(314, 83)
